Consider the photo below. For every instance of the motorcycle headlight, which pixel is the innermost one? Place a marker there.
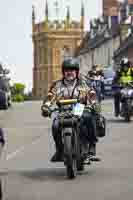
(130, 92)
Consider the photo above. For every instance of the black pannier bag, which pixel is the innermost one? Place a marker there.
(101, 126)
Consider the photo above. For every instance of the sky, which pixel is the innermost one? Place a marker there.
(16, 52)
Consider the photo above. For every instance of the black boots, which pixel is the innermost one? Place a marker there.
(90, 154)
(92, 149)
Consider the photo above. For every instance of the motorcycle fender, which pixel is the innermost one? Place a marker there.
(67, 131)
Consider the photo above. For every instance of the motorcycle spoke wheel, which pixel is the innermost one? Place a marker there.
(70, 160)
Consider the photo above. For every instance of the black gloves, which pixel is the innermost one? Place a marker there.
(45, 111)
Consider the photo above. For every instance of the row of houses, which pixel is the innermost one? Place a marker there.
(110, 38)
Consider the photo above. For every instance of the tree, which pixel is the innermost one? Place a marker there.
(17, 88)
(17, 91)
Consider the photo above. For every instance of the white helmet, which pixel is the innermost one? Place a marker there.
(125, 62)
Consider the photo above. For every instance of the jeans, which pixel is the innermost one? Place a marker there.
(88, 133)
(56, 133)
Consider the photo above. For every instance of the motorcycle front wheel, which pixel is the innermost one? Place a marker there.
(70, 146)
(127, 109)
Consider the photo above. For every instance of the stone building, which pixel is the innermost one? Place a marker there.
(126, 46)
(52, 42)
(106, 35)
(100, 43)
(124, 50)
(100, 50)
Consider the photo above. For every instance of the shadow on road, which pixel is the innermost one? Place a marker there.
(57, 174)
(43, 174)
(50, 173)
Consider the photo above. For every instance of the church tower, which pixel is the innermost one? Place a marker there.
(52, 42)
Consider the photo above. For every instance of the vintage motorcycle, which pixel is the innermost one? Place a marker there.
(69, 113)
(126, 109)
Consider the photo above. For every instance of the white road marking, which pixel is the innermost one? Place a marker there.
(13, 154)
(20, 150)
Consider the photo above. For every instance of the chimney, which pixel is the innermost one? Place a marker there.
(107, 4)
(113, 17)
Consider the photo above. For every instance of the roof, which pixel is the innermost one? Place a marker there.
(127, 43)
(99, 39)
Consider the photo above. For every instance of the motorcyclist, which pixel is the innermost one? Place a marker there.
(96, 77)
(70, 86)
(123, 75)
(92, 72)
(100, 76)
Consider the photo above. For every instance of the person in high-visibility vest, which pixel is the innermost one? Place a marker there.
(123, 76)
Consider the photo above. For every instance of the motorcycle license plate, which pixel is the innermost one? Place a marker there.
(78, 109)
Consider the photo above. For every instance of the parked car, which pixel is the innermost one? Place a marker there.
(5, 93)
(109, 74)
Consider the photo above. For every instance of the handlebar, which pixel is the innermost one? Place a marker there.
(67, 102)
(59, 103)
